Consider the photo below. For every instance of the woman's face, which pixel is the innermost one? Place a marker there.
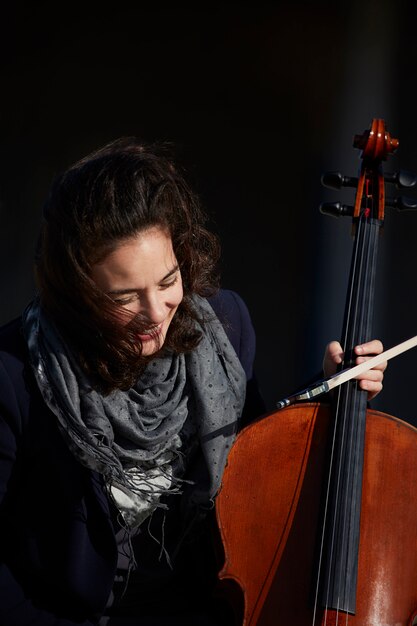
(142, 276)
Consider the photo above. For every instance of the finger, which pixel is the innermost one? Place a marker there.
(373, 375)
(334, 352)
(382, 366)
(370, 347)
(332, 357)
(372, 387)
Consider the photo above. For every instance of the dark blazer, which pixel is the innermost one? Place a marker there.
(57, 545)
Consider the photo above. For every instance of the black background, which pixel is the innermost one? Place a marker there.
(258, 100)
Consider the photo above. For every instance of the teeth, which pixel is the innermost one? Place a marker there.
(149, 331)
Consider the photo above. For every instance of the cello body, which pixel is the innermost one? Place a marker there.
(269, 516)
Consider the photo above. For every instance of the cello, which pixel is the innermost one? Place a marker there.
(316, 512)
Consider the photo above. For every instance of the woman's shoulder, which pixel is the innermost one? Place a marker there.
(13, 359)
(12, 343)
(234, 315)
(229, 307)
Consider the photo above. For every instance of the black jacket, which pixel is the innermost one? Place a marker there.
(57, 542)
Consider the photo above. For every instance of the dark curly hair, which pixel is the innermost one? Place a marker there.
(107, 197)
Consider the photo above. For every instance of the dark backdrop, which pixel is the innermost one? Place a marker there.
(259, 100)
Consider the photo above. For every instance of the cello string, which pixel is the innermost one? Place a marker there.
(349, 390)
(358, 332)
(341, 410)
(347, 446)
(337, 417)
(326, 506)
(325, 518)
(351, 396)
(352, 391)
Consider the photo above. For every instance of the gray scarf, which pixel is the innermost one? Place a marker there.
(137, 439)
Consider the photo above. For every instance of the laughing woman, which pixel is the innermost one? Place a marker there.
(122, 387)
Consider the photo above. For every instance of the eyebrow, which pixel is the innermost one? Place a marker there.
(120, 292)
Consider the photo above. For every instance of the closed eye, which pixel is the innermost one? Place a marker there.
(171, 283)
(132, 295)
(127, 300)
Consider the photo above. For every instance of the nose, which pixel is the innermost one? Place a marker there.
(152, 308)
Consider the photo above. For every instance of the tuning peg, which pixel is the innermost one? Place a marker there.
(336, 209)
(402, 179)
(336, 180)
(401, 204)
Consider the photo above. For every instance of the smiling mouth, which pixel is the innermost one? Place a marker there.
(150, 333)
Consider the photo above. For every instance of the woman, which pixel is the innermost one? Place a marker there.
(121, 390)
